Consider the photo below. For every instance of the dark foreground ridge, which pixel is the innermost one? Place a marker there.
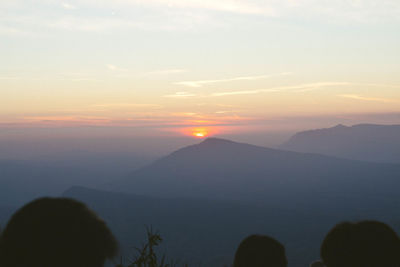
(215, 227)
(63, 232)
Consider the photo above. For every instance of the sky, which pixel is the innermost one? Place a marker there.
(198, 67)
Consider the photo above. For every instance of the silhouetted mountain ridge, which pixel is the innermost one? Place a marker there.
(368, 142)
(223, 169)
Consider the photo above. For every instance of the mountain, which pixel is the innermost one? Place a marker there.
(368, 142)
(24, 180)
(207, 197)
(222, 169)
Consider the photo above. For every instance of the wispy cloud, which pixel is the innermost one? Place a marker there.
(165, 72)
(9, 78)
(246, 92)
(64, 120)
(238, 6)
(115, 68)
(13, 31)
(294, 88)
(61, 77)
(111, 67)
(27, 17)
(21, 17)
(181, 95)
(121, 72)
(201, 83)
(19, 20)
(366, 98)
(24, 24)
(355, 10)
(125, 105)
(230, 6)
(302, 88)
(223, 111)
(68, 6)
(153, 119)
(80, 80)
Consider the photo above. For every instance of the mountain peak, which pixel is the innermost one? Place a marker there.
(366, 142)
(215, 141)
(339, 126)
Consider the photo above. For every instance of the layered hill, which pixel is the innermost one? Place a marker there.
(207, 232)
(223, 169)
(204, 232)
(369, 142)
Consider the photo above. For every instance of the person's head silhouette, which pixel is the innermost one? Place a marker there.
(366, 243)
(260, 251)
(56, 232)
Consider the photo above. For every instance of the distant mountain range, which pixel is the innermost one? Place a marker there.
(205, 198)
(222, 169)
(368, 142)
(23, 180)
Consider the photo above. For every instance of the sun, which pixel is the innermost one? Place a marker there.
(199, 134)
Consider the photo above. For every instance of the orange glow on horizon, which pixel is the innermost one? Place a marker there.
(200, 134)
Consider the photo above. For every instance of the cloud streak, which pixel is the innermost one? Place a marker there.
(295, 88)
(115, 68)
(229, 6)
(19, 17)
(166, 72)
(181, 95)
(107, 106)
(201, 83)
(9, 78)
(373, 99)
(68, 6)
(302, 88)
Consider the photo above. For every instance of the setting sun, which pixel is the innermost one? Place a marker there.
(200, 134)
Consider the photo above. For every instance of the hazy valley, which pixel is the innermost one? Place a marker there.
(204, 198)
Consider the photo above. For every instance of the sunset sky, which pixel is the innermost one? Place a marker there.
(183, 66)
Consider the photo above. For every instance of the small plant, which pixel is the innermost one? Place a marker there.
(146, 255)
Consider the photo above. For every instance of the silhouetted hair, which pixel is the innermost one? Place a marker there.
(366, 243)
(56, 232)
(260, 251)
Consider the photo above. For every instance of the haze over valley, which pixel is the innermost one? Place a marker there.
(218, 189)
